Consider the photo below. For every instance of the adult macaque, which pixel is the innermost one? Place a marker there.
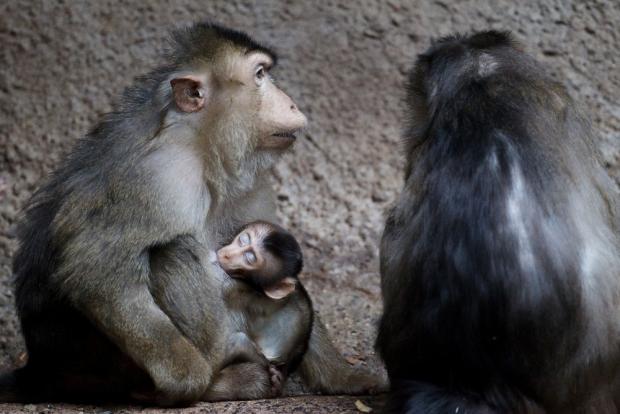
(107, 310)
(500, 260)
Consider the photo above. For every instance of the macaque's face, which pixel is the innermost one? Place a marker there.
(278, 116)
(246, 255)
(239, 95)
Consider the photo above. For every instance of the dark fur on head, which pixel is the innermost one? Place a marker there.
(282, 245)
(196, 42)
(448, 68)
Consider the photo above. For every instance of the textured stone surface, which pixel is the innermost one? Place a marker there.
(64, 62)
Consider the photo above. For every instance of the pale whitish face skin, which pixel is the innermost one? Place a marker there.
(239, 92)
(278, 117)
(246, 254)
(245, 87)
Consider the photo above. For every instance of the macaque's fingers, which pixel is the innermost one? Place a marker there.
(243, 381)
(142, 330)
(277, 380)
(325, 370)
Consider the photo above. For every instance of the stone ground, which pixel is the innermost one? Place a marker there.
(64, 62)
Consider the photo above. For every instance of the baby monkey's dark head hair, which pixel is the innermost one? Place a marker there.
(281, 254)
(282, 245)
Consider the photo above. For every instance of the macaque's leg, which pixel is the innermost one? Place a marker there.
(246, 374)
(243, 381)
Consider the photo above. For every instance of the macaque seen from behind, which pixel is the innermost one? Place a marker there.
(500, 260)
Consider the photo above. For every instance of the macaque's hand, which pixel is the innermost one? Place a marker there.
(277, 380)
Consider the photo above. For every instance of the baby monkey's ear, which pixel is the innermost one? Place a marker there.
(281, 289)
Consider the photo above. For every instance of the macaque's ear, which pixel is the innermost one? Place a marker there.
(281, 289)
(189, 93)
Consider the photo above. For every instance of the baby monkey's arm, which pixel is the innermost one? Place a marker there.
(242, 349)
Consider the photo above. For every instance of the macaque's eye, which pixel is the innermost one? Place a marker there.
(244, 239)
(250, 257)
(260, 74)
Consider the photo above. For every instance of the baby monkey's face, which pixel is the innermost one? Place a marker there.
(245, 255)
(265, 256)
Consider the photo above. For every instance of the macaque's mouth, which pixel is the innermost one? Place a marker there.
(288, 134)
(278, 140)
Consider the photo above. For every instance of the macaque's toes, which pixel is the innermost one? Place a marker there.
(277, 380)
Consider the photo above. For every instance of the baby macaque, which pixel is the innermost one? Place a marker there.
(266, 256)
(275, 308)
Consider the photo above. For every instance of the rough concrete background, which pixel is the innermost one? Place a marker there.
(62, 64)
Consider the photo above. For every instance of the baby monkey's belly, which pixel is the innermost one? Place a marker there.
(276, 336)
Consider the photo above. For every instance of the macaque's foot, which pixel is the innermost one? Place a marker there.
(363, 382)
(277, 380)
